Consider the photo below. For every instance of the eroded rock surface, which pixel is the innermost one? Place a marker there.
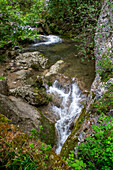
(33, 96)
(4, 87)
(30, 59)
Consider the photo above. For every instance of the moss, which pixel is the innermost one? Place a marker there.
(72, 140)
(4, 119)
(104, 104)
(47, 134)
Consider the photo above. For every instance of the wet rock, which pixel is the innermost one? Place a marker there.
(55, 68)
(56, 100)
(4, 87)
(33, 96)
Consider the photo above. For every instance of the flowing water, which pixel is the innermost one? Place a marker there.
(70, 108)
(54, 48)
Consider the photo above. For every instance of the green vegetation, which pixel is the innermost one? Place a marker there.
(2, 77)
(81, 14)
(23, 152)
(97, 151)
(19, 151)
(106, 67)
(14, 22)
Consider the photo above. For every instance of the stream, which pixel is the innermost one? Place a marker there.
(69, 95)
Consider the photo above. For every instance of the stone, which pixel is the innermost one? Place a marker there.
(27, 117)
(23, 74)
(4, 87)
(55, 68)
(33, 96)
(30, 59)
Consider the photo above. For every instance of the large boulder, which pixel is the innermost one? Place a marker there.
(27, 117)
(26, 60)
(33, 96)
(54, 69)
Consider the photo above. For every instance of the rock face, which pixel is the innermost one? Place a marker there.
(19, 112)
(103, 45)
(104, 32)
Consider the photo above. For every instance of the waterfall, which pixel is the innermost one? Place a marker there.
(70, 108)
(47, 40)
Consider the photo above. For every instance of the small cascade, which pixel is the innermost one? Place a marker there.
(47, 40)
(70, 108)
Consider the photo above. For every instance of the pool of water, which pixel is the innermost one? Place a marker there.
(57, 49)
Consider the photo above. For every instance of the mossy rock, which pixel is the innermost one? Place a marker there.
(72, 140)
(48, 134)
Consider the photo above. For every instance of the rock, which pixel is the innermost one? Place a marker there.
(33, 96)
(27, 117)
(19, 112)
(23, 74)
(55, 68)
(4, 87)
(31, 59)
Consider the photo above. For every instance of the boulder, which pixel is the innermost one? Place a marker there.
(31, 59)
(23, 74)
(33, 96)
(27, 117)
(54, 69)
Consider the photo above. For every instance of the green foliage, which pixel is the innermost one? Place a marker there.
(13, 21)
(2, 77)
(23, 161)
(105, 67)
(97, 151)
(45, 150)
(14, 159)
(36, 133)
(73, 14)
(74, 163)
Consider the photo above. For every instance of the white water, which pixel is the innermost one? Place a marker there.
(49, 39)
(70, 108)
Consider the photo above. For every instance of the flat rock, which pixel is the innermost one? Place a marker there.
(55, 68)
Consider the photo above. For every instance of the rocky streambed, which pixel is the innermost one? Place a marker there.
(26, 95)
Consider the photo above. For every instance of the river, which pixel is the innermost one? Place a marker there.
(70, 96)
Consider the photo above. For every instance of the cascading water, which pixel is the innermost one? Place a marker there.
(70, 108)
(54, 48)
(50, 39)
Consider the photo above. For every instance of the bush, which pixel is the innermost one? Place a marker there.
(97, 151)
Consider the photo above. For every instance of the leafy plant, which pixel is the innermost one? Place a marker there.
(2, 77)
(105, 67)
(97, 150)
(14, 22)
